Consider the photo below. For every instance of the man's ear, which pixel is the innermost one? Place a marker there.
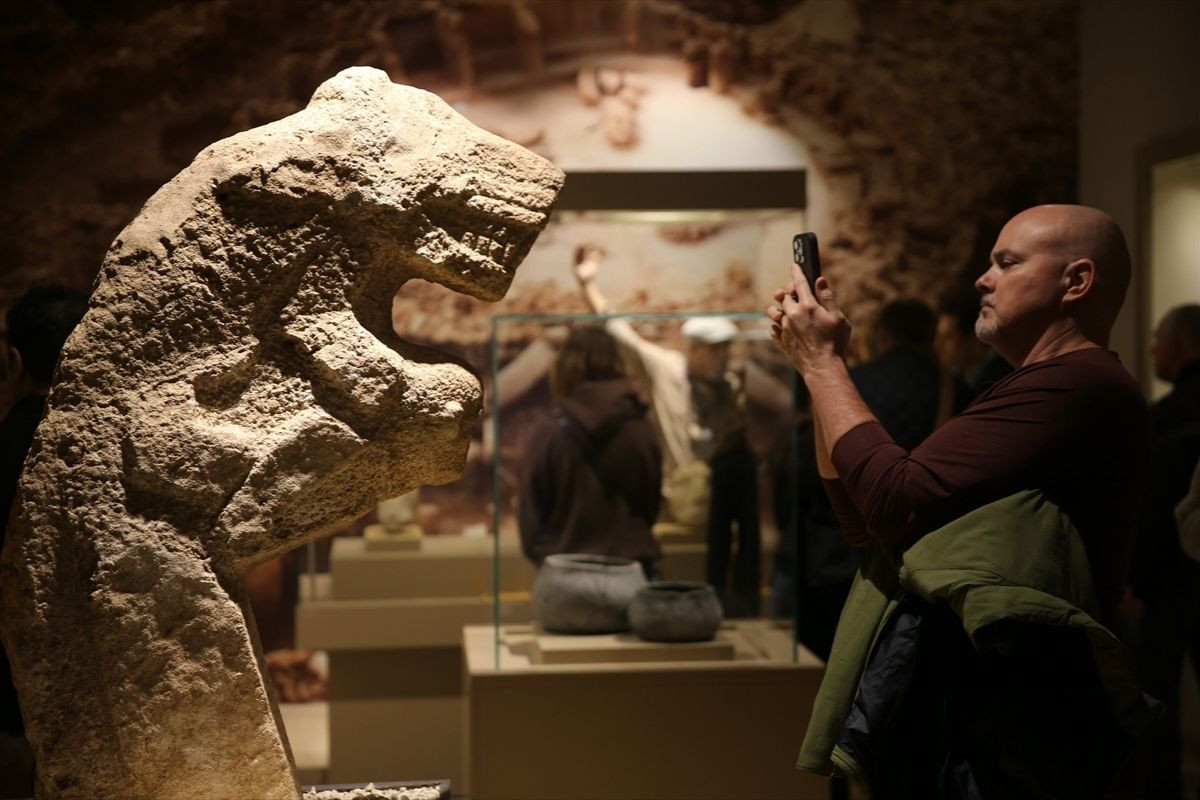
(1079, 279)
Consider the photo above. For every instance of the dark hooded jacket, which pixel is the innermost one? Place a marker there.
(591, 477)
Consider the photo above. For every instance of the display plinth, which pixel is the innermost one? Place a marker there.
(443, 566)
(699, 730)
(610, 648)
(392, 625)
(378, 537)
(677, 533)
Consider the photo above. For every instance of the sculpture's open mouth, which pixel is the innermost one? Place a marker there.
(485, 232)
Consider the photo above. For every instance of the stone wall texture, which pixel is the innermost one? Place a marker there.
(931, 120)
(235, 390)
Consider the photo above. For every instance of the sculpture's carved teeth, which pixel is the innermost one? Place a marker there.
(491, 247)
(490, 229)
(507, 213)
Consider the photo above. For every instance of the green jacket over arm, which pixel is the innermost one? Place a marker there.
(1016, 560)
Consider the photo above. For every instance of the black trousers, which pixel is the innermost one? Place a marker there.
(734, 500)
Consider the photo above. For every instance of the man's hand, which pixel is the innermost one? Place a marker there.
(811, 331)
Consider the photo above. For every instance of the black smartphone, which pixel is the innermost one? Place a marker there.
(806, 254)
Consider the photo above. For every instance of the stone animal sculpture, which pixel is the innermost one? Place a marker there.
(235, 390)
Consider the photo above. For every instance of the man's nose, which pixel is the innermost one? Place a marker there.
(982, 285)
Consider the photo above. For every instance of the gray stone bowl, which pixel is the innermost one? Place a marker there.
(675, 611)
(581, 593)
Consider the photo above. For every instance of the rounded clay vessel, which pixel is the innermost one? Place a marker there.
(579, 593)
(675, 611)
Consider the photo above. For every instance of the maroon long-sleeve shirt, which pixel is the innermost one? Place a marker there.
(1074, 426)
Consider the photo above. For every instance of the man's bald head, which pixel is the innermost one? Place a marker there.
(1058, 277)
(1075, 233)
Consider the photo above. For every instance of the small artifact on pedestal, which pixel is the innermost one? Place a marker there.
(675, 611)
(235, 390)
(397, 528)
(581, 593)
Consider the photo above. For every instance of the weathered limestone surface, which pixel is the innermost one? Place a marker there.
(235, 390)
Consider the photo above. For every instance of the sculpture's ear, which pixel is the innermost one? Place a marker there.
(355, 87)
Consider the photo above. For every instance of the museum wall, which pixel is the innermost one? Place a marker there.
(1138, 66)
(925, 123)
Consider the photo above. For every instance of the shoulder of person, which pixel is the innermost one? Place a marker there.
(545, 428)
(1080, 368)
(1089, 383)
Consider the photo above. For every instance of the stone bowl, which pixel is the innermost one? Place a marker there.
(676, 611)
(581, 593)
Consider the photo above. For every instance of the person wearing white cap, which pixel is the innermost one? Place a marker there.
(698, 408)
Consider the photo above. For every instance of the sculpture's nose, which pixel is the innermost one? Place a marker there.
(508, 173)
(527, 179)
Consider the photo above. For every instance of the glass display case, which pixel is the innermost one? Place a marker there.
(737, 453)
(590, 651)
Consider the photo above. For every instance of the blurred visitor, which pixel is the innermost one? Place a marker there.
(1176, 356)
(6, 397)
(591, 474)
(38, 324)
(1187, 517)
(903, 385)
(962, 352)
(1164, 581)
(813, 566)
(698, 407)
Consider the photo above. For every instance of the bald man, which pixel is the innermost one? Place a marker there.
(1069, 420)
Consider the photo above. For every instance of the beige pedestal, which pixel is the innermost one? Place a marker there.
(443, 566)
(695, 730)
(619, 648)
(392, 627)
(676, 533)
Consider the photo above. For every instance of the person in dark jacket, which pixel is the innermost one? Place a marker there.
(1164, 580)
(961, 352)
(903, 385)
(1176, 355)
(813, 565)
(38, 324)
(592, 470)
